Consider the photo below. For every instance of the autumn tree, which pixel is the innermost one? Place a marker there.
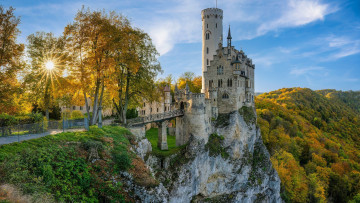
(10, 63)
(44, 75)
(135, 70)
(90, 42)
(189, 78)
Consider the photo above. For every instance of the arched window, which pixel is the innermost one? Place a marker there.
(207, 36)
(225, 96)
(207, 50)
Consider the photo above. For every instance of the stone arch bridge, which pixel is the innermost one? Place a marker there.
(161, 120)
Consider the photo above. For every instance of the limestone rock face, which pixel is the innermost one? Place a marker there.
(144, 147)
(246, 175)
(234, 166)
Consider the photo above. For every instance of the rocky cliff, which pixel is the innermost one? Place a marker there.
(234, 166)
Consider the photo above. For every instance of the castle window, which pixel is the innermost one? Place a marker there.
(207, 61)
(81, 108)
(220, 82)
(216, 17)
(165, 108)
(150, 110)
(216, 23)
(207, 25)
(157, 109)
(74, 107)
(229, 83)
(207, 50)
(225, 96)
(144, 104)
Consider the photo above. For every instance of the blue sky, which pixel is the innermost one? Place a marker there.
(293, 43)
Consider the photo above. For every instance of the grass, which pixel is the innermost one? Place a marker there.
(152, 136)
(62, 165)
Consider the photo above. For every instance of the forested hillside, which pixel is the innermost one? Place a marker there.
(314, 141)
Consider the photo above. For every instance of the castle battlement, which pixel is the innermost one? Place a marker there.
(212, 12)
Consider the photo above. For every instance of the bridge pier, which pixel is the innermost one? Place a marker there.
(162, 135)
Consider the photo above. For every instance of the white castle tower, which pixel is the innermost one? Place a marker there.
(212, 35)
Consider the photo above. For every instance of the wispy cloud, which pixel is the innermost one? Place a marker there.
(297, 13)
(174, 22)
(342, 47)
(309, 71)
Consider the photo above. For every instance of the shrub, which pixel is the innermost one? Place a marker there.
(121, 160)
(76, 114)
(8, 120)
(131, 113)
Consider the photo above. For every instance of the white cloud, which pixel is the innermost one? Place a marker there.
(178, 21)
(296, 13)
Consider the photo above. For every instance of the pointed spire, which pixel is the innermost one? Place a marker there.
(229, 34)
(176, 87)
(187, 87)
(229, 40)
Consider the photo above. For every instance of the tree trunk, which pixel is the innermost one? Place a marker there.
(101, 98)
(87, 107)
(95, 106)
(126, 100)
(47, 100)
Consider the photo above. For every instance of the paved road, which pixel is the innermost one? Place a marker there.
(15, 138)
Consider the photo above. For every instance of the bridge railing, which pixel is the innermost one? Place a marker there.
(155, 117)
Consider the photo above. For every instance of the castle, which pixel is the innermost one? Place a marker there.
(227, 83)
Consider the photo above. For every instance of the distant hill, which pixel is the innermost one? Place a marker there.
(314, 141)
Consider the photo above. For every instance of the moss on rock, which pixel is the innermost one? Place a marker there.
(248, 114)
(214, 146)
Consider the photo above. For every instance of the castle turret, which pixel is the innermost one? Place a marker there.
(212, 34)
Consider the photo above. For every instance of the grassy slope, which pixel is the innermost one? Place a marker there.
(314, 141)
(72, 166)
(152, 136)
